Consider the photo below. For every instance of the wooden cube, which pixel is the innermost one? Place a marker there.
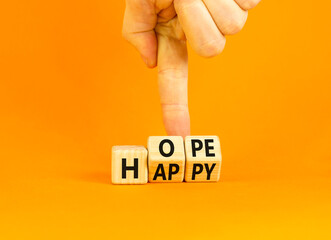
(129, 165)
(166, 159)
(203, 159)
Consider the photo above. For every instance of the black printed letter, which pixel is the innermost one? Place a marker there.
(194, 148)
(209, 170)
(208, 154)
(172, 148)
(162, 174)
(171, 172)
(194, 172)
(127, 168)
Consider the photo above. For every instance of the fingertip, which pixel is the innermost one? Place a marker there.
(150, 62)
(180, 132)
(176, 120)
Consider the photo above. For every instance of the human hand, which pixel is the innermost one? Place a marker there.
(158, 29)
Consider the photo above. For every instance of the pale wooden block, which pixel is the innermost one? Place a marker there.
(166, 159)
(129, 165)
(203, 159)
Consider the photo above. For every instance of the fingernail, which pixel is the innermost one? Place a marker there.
(145, 60)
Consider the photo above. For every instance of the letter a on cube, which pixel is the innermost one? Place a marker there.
(203, 159)
(129, 165)
(166, 159)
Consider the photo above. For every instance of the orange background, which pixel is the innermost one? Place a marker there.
(71, 87)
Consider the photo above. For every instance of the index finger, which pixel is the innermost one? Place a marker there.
(172, 79)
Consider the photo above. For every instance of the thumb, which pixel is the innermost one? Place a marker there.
(172, 78)
(138, 28)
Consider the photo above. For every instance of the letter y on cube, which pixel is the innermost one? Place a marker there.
(203, 159)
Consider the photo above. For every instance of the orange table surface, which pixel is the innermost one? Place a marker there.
(71, 87)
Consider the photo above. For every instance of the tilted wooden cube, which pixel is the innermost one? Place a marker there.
(129, 165)
(203, 159)
(166, 159)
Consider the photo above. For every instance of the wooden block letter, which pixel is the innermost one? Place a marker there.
(203, 159)
(166, 159)
(129, 165)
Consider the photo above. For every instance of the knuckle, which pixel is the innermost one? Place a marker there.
(183, 5)
(211, 48)
(234, 25)
(125, 35)
(172, 73)
(249, 4)
(132, 2)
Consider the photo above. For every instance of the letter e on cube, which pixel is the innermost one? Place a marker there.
(203, 159)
